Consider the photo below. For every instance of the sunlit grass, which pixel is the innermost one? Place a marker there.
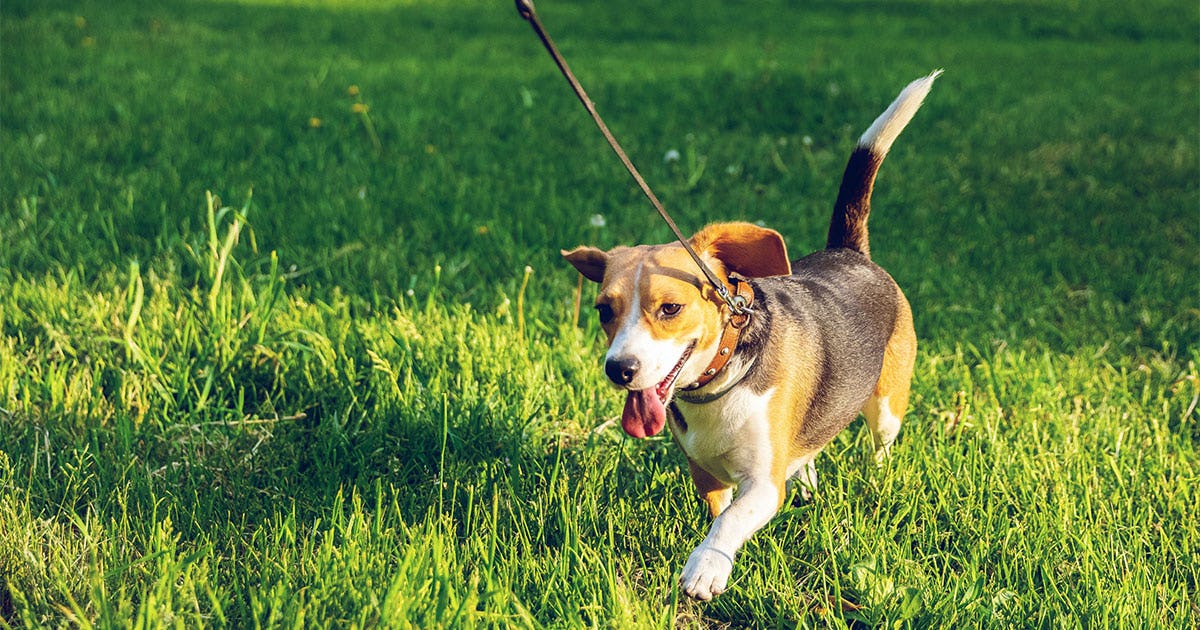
(285, 338)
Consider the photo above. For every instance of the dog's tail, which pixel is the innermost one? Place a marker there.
(848, 228)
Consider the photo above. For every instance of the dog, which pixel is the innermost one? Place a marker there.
(753, 397)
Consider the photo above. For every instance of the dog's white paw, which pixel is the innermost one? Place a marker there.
(706, 573)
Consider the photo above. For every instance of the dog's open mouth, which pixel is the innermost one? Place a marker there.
(645, 411)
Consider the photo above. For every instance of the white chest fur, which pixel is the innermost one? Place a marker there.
(729, 437)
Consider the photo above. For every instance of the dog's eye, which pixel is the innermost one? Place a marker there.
(605, 312)
(670, 310)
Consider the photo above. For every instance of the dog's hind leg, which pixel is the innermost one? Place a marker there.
(884, 422)
(886, 406)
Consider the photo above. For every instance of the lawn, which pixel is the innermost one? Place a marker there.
(285, 338)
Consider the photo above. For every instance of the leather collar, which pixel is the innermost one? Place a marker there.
(729, 337)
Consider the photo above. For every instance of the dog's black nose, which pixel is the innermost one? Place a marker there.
(621, 371)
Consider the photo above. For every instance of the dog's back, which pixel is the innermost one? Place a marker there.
(845, 307)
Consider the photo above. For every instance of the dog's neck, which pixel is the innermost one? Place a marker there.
(725, 381)
(705, 389)
(728, 342)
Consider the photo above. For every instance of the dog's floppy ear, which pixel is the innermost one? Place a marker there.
(754, 252)
(589, 261)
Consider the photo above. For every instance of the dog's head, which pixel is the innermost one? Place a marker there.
(662, 317)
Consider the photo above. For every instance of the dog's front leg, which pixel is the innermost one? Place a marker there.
(707, 570)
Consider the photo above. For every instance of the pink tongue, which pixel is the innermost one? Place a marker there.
(644, 414)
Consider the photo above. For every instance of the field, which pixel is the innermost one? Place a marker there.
(286, 340)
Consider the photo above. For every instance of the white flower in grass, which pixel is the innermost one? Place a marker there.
(671, 156)
(597, 221)
(806, 141)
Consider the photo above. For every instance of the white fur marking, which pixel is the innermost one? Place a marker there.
(884, 425)
(883, 132)
(708, 567)
(730, 437)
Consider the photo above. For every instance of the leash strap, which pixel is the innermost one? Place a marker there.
(736, 303)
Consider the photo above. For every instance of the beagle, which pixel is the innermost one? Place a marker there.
(753, 398)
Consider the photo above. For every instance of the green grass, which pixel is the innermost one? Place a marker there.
(331, 394)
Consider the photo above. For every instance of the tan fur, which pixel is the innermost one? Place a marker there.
(590, 262)
(795, 387)
(714, 491)
(898, 360)
(663, 278)
(750, 250)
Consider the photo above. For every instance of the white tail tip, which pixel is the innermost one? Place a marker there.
(883, 132)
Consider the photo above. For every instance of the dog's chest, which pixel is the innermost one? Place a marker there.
(730, 437)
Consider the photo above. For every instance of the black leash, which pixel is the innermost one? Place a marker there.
(736, 303)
